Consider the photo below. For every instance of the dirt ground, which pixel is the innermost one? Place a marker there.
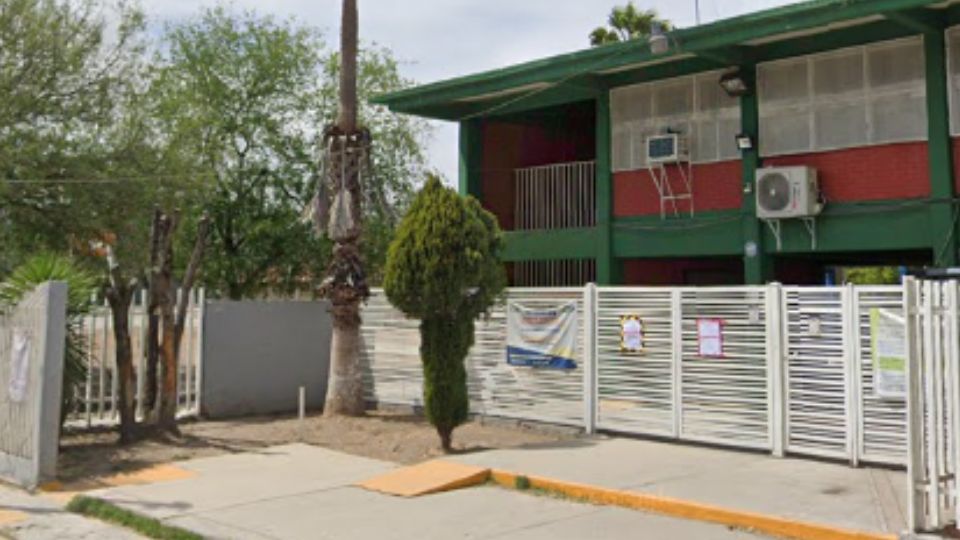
(388, 436)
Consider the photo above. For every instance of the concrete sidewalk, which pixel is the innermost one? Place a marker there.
(873, 500)
(299, 491)
(34, 517)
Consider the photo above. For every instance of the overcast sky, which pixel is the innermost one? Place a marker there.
(439, 39)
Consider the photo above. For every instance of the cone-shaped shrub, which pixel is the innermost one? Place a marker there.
(444, 268)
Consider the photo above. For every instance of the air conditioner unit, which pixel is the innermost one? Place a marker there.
(787, 192)
(669, 148)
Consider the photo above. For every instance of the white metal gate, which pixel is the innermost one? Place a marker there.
(933, 338)
(100, 393)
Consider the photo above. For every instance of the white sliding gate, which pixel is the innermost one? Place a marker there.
(795, 374)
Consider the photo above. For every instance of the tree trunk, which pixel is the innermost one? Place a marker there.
(167, 418)
(346, 286)
(119, 299)
(349, 37)
(345, 382)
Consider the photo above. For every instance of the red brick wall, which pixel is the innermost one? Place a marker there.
(712, 271)
(891, 171)
(509, 146)
(716, 186)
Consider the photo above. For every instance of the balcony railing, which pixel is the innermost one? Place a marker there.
(559, 196)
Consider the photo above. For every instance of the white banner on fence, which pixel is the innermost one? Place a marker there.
(542, 337)
(19, 365)
(888, 334)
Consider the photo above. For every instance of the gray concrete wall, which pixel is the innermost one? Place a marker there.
(257, 354)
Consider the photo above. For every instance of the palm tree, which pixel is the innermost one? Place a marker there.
(80, 285)
(626, 23)
(346, 147)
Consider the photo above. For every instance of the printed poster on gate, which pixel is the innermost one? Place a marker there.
(544, 338)
(889, 354)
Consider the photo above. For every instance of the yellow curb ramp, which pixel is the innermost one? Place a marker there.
(427, 478)
(150, 475)
(771, 525)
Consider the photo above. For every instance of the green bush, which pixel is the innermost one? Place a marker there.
(444, 268)
(80, 285)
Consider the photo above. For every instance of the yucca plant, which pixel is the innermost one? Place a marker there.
(80, 285)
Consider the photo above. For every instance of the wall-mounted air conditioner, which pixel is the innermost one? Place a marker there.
(787, 192)
(669, 148)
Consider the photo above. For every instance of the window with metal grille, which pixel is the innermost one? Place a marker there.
(859, 96)
(694, 106)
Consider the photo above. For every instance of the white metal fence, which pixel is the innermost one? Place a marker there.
(99, 403)
(31, 370)
(933, 340)
(795, 376)
(559, 196)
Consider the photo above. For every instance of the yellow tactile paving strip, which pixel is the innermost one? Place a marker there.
(11, 517)
(149, 475)
(426, 478)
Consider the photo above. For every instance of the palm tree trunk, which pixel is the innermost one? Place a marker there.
(348, 287)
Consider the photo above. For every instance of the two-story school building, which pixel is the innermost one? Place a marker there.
(771, 146)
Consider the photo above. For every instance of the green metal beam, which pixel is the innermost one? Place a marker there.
(920, 20)
(757, 265)
(471, 156)
(550, 244)
(713, 234)
(940, 151)
(608, 268)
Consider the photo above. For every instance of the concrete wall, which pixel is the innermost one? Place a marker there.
(257, 354)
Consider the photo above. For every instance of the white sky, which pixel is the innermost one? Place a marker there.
(439, 39)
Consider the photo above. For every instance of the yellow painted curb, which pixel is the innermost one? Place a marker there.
(772, 525)
(426, 478)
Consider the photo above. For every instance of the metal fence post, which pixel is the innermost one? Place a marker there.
(676, 357)
(850, 300)
(590, 358)
(915, 436)
(775, 361)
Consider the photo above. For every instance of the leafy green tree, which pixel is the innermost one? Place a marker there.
(444, 268)
(625, 23)
(80, 285)
(65, 87)
(873, 275)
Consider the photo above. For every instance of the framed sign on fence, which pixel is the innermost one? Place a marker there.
(710, 338)
(631, 334)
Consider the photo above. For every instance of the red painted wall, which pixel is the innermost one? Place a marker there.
(716, 186)
(509, 146)
(890, 171)
(712, 271)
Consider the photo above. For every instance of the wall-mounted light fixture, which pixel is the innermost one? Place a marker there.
(659, 42)
(744, 142)
(733, 84)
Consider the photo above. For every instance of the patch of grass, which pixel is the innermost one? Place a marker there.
(522, 483)
(111, 513)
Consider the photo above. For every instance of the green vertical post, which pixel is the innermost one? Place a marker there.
(757, 264)
(471, 158)
(608, 269)
(940, 152)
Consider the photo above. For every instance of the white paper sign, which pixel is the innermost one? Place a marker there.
(710, 338)
(19, 366)
(889, 352)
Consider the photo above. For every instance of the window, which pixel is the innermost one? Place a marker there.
(860, 96)
(695, 106)
(953, 78)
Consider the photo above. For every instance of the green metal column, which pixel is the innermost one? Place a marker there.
(757, 264)
(942, 220)
(471, 158)
(608, 268)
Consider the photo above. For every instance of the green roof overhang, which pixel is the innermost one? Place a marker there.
(580, 75)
